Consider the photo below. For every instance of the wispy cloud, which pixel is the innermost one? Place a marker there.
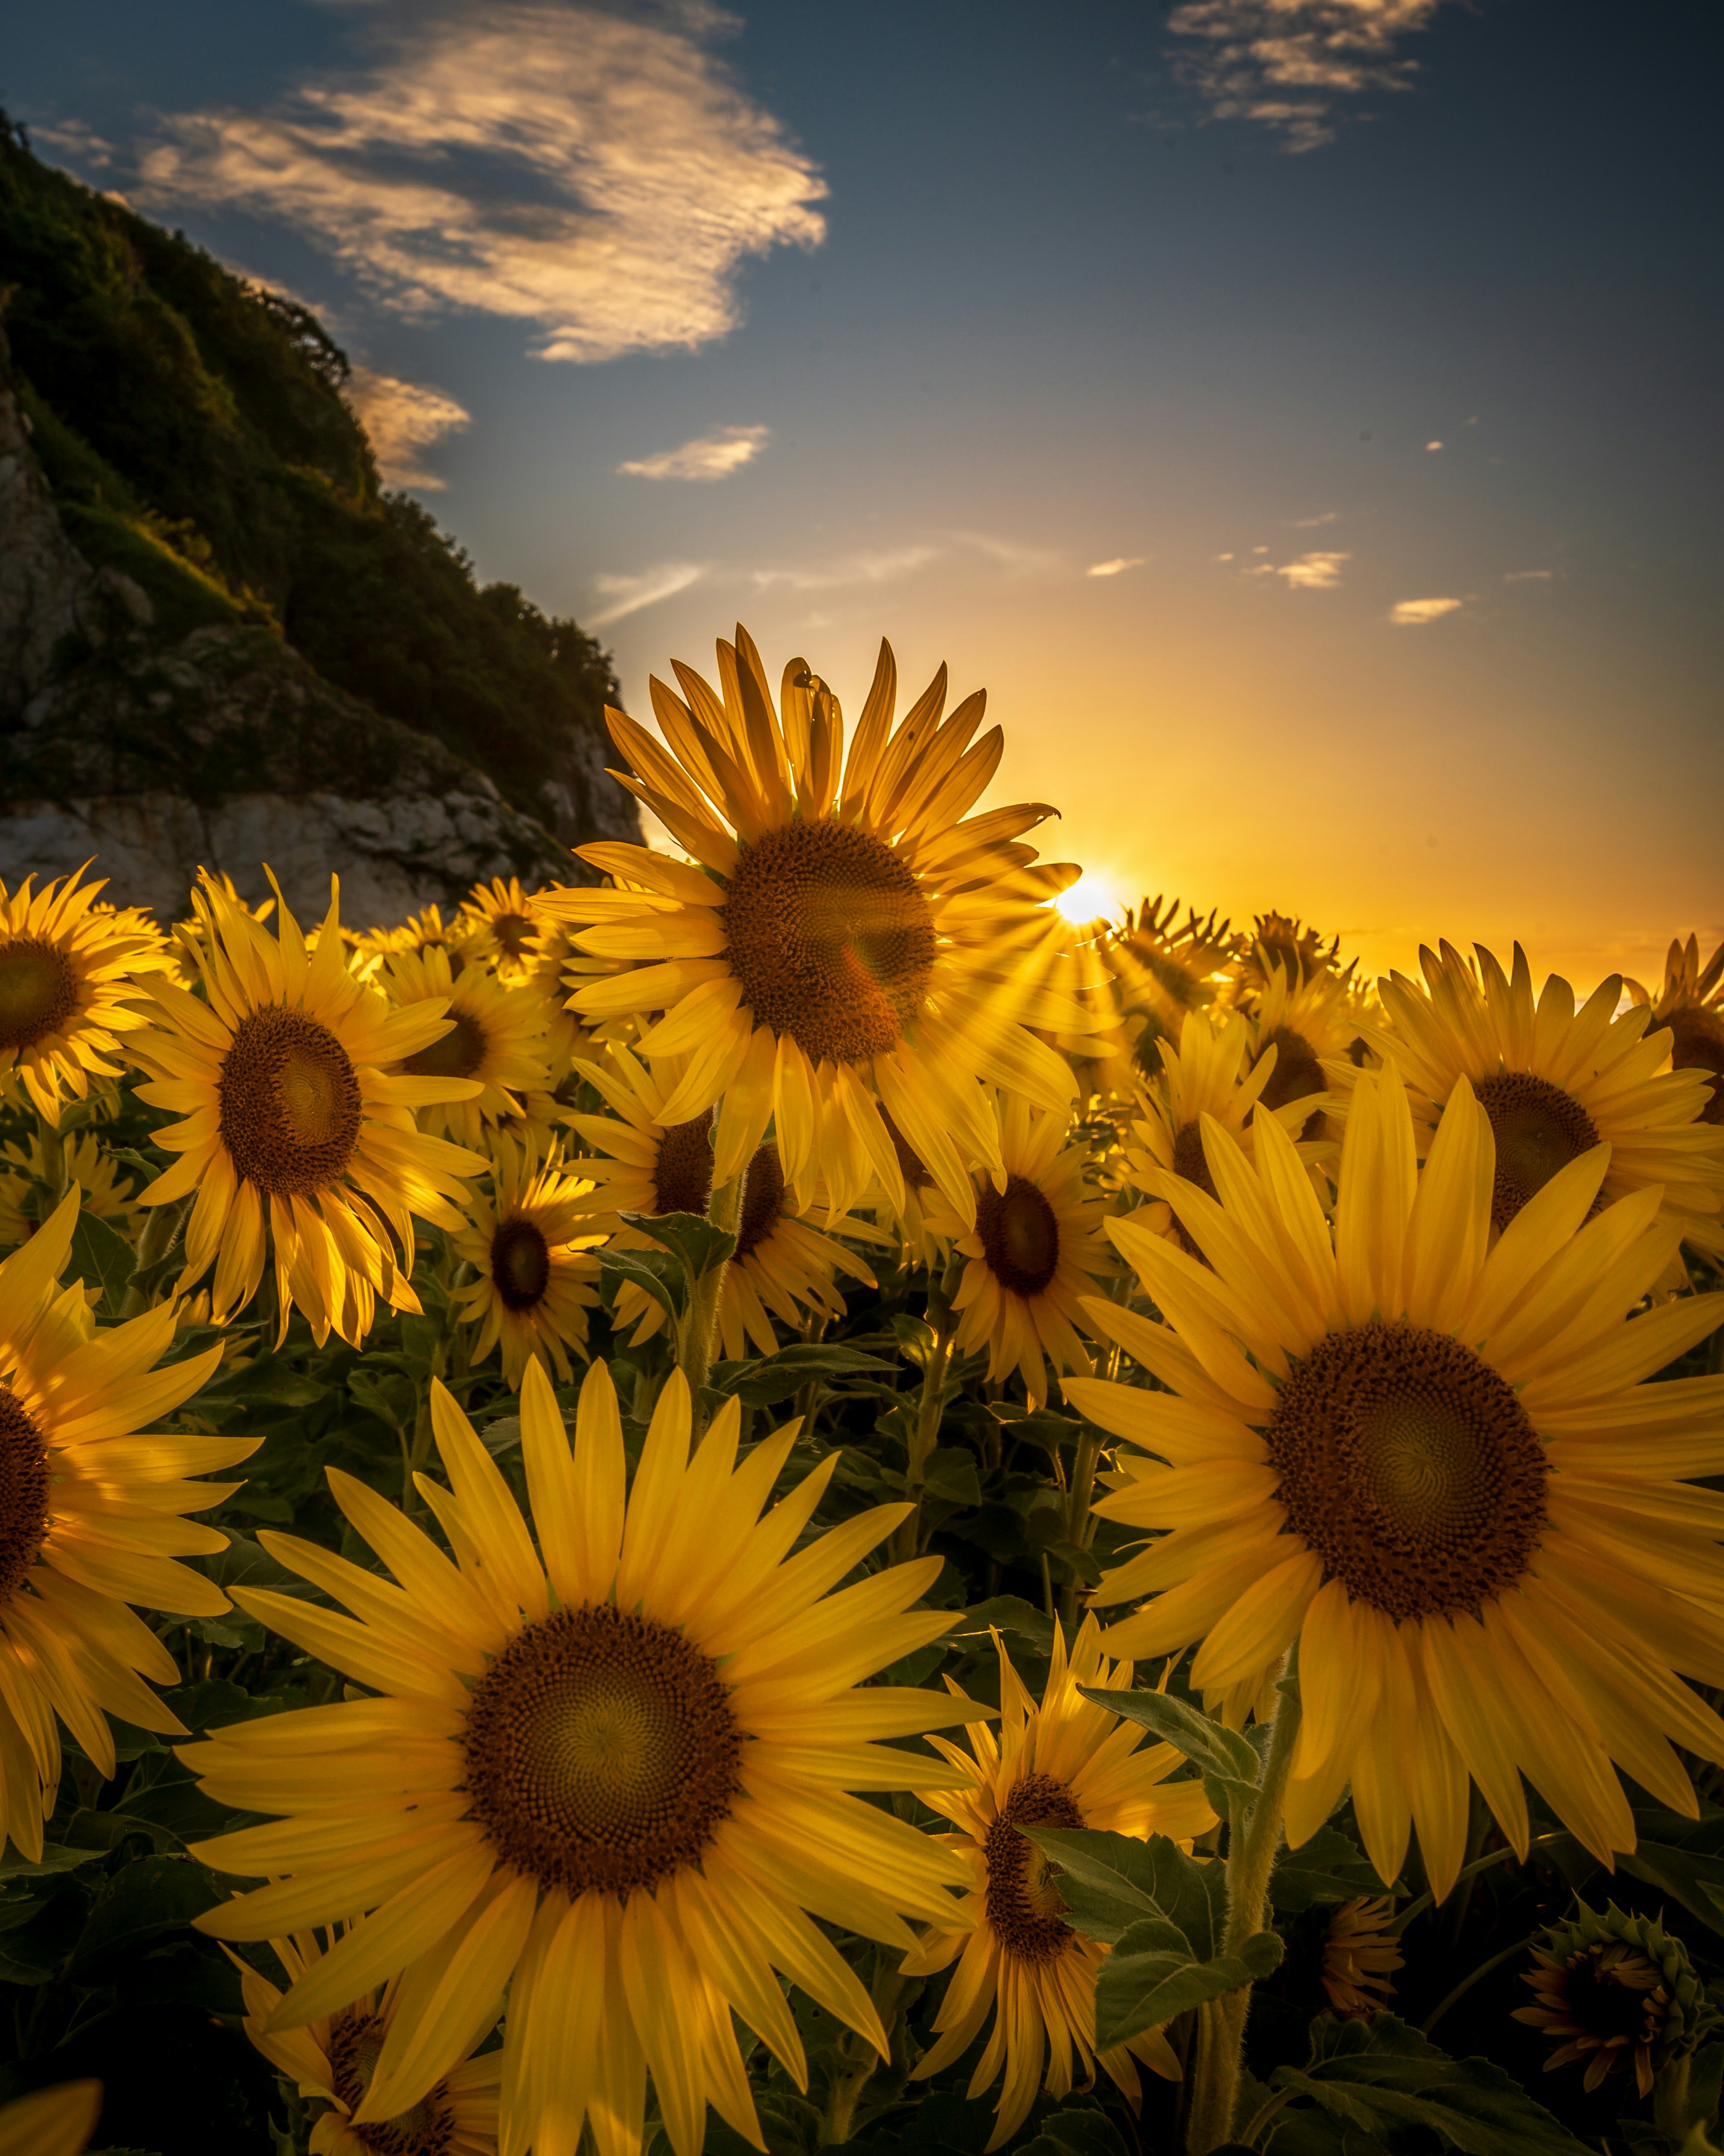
(1121, 562)
(1310, 523)
(599, 177)
(886, 567)
(1292, 65)
(628, 595)
(403, 420)
(80, 145)
(1414, 613)
(1310, 572)
(1530, 577)
(708, 457)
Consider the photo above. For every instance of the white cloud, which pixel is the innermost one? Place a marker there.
(708, 457)
(1288, 65)
(403, 419)
(1312, 572)
(1413, 613)
(599, 177)
(629, 594)
(1529, 576)
(884, 567)
(1113, 568)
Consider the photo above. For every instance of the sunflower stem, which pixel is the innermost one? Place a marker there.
(1079, 1499)
(699, 1322)
(907, 1537)
(160, 1228)
(1253, 1839)
(54, 1161)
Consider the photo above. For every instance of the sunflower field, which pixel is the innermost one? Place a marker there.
(773, 1500)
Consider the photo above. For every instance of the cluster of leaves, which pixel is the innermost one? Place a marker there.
(99, 1974)
(193, 430)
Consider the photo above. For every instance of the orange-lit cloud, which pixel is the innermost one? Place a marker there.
(403, 419)
(1310, 572)
(1115, 567)
(709, 457)
(1414, 613)
(627, 595)
(1288, 65)
(600, 177)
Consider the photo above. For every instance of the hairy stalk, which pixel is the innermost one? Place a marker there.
(700, 1323)
(54, 1161)
(906, 1538)
(1253, 1839)
(1077, 1500)
(861, 2061)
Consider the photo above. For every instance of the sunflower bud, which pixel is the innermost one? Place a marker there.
(1612, 1989)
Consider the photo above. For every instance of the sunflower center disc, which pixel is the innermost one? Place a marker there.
(1191, 1163)
(429, 2129)
(458, 1054)
(1613, 1995)
(600, 1751)
(1297, 1073)
(289, 1102)
(1697, 1045)
(1024, 1903)
(1410, 1467)
(1020, 1235)
(511, 930)
(521, 1263)
(831, 939)
(682, 1173)
(24, 1482)
(1538, 1128)
(762, 1201)
(39, 991)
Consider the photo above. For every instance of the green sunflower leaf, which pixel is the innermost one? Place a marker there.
(1147, 1981)
(101, 1259)
(690, 1236)
(1220, 1755)
(661, 1273)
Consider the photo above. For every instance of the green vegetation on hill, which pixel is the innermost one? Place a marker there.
(193, 430)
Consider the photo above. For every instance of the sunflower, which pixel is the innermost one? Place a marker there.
(426, 930)
(532, 1246)
(67, 987)
(501, 926)
(1431, 1462)
(92, 1520)
(622, 1790)
(1161, 969)
(1361, 1955)
(1065, 1764)
(282, 1075)
(1616, 1991)
(1690, 1003)
(1307, 1018)
(783, 1263)
(107, 1195)
(1282, 941)
(1207, 1075)
(495, 1038)
(1555, 1082)
(331, 2059)
(840, 931)
(1033, 1251)
(51, 2121)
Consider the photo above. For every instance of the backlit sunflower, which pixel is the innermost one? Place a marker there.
(1305, 1019)
(495, 1038)
(1067, 1762)
(531, 1245)
(1555, 1081)
(614, 1778)
(1282, 940)
(1691, 1003)
(1033, 1252)
(107, 1193)
(424, 930)
(501, 925)
(1430, 1461)
(68, 988)
(840, 933)
(297, 1131)
(783, 1264)
(1207, 1075)
(1162, 968)
(331, 2060)
(90, 1520)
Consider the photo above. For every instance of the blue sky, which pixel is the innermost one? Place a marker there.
(1103, 351)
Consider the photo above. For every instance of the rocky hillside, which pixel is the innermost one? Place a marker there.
(220, 640)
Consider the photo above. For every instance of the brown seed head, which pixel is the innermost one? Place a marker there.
(1698, 1045)
(1538, 1129)
(762, 1200)
(459, 1053)
(39, 991)
(682, 1173)
(1019, 1235)
(520, 1262)
(24, 1485)
(356, 2040)
(289, 1102)
(1023, 1900)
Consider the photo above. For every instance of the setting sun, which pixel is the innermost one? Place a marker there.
(1095, 896)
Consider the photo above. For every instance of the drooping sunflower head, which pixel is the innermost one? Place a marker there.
(847, 933)
(531, 1244)
(500, 925)
(1618, 1993)
(1360, 1956)
(300, 1129)
(69, 987)
(1555, 1082)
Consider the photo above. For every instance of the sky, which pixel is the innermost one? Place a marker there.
(1303, 417)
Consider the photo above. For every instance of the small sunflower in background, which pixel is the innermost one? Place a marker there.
(493, 1039)
(332, 2060)
(1616, 1992)
(1307, 1018)
(1064, 1763)
(1281, 942)
(1690, 1003)
(69, 989)
(1161, 969)
(531, 1245)
(1032, 1254)
(615, 1775)
(1429, 1459)
(1212, 1073)
(91, 1519)
(299, 1128)
(1360, 1956)
(108, 1192)
(1555, 1082)
(426, 930)
(847, 933)
(500, 924)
